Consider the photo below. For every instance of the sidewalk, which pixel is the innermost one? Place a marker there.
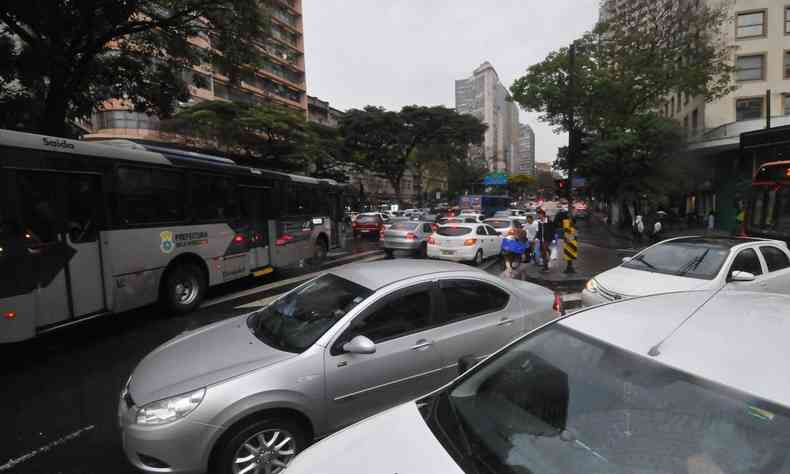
(625, 234)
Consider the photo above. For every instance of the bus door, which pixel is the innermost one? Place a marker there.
(336, 220)
(61, 214)
(254, 207)
(292, 231)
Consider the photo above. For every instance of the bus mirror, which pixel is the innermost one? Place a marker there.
(318, 221)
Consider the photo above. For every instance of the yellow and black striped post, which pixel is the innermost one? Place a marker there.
(570, 245)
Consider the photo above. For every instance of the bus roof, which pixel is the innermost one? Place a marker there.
(77, 147)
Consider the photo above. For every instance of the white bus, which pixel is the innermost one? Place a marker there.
(88, 229)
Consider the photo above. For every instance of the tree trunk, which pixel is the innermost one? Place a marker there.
(417, 175)
(53, 119)
(395, 182)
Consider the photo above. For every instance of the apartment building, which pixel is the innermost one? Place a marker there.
(484, 96)
(525, 158)
(279, 79)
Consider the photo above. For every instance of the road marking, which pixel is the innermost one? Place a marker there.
(259, 303)
(13, 462)
(275, 285)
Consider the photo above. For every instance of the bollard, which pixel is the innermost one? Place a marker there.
(571, 245)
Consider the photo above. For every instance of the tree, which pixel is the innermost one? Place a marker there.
(326, 153)
(263, 135)
(385, 143)
(624, 71)
(70, 57)
(518, 184)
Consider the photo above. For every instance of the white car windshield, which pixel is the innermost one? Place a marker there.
(560, 402)
(294, 322)
(690, 258)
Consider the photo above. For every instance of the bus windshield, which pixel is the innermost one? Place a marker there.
(770, 210)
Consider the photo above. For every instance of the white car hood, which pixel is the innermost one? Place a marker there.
(631, 282)
(396, 441)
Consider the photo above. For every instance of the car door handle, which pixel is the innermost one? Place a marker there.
(422, 344)
(505, 322)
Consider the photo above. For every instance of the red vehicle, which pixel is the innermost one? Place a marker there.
(368, 224)
(767, 214)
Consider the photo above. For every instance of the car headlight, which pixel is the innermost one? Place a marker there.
(592, 285)
(170, 409)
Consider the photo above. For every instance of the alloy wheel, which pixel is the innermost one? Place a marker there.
(266, 452)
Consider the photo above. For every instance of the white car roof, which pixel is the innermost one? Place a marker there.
(737, 339)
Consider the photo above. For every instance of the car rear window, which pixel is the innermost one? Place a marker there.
(404, 226)
(498, 224)
(453, 231)
(364, 219)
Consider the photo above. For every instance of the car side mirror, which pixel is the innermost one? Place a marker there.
(627, 259)
(360, 345)
(738, 275)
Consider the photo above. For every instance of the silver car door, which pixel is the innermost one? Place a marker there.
(476, 318)
(777, 262)
(405, 364)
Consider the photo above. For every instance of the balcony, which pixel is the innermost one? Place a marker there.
(728, 136)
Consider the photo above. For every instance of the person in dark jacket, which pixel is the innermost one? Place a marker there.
(546, 231)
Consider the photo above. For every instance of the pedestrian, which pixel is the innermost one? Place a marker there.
(531, 233)
(711, 221)
(639, 228)
(546, 233)
(657, 227)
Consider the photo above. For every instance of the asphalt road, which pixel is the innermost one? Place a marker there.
(60, 391)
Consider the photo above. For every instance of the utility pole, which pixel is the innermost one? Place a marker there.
(768, 108)
(571, 121)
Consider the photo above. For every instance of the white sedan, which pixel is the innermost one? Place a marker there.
(465, 242)
(695, 263)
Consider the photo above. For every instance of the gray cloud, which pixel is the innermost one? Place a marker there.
(396, 53)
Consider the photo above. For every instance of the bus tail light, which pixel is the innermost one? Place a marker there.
(9, 315)
(470, 242)
(411, 236)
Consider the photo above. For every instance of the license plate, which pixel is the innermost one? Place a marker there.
(448, 252)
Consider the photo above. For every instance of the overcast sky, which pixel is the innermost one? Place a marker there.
(400, 52)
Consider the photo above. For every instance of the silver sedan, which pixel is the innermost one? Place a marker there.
(246, 394)
(407, 235)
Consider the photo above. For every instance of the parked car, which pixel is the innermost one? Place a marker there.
(407, 235)
(465, 243)
(695, 263)
(248, 393)
(610, 389)
(368, 224)
(506, 225)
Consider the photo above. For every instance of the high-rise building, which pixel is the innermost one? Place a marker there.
(280, 78)
(525, 162)
(484, 96)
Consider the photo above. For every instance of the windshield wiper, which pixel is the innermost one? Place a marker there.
(641, 259)
(693, 263)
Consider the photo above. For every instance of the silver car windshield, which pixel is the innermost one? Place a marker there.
(695, 260)
(294, 322)
(560, 402)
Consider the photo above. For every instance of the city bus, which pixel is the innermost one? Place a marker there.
(486, 205)
(768, 208)
(94, 228)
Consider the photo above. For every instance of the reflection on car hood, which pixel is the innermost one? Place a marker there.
(396, 441)
(199, 358)
(630, 282)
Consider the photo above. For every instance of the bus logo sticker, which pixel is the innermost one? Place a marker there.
(167, 244)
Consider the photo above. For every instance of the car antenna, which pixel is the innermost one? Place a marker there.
(656, 349)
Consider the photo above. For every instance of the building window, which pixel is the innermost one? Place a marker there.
(125, 119)
(787, 20)
(787, 65)
(750, 108)
(750, 24)
(786, 98)
(750, 68)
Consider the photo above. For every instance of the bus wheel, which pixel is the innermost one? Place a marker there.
(184, 288)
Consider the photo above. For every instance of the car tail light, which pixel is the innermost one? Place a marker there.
(9, 314)
(411, 236)
(354, 224)
(283, 240)
(470, 242)
(434, 227)
(511, 232)
(431, 240)
(238, 239)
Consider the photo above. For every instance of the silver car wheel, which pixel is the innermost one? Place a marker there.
(266, 452)
(186, 290)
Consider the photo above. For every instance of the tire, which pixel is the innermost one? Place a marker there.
(478, 258)
(184, 288)
(247, 440)
(389, 253)
(320, 251)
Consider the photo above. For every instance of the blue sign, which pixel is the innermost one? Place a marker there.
(497, 178)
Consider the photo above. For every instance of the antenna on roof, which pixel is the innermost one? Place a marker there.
(656, 349)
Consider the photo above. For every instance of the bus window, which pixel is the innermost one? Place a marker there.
(149, 196)
(214, 197)
(83, 208)
(39, 206)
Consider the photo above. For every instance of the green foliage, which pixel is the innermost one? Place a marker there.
(386, 143)
(624, 70)
(72, 56)
(519, 184)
